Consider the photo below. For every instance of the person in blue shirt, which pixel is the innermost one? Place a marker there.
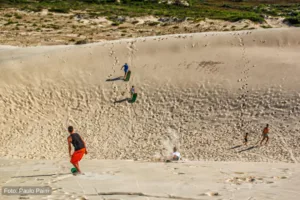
(126, 67)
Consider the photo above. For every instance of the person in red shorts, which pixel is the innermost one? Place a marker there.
(79, 148)
(265, 135)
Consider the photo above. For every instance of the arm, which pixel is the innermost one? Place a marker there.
(69, 145)
(122, 67)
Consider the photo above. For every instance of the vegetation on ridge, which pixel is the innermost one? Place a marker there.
(230, 10)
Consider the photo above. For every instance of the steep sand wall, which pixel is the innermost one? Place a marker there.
(200, 92)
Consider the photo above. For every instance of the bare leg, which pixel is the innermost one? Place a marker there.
(267, 141)
(76, 165)
(262, 141)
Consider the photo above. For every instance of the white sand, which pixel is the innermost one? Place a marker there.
(191, 92)
(200, 92)
(139, 180)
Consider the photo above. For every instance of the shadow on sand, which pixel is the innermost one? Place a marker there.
(40, 175)
(120, 78)
(122, 100)
(247, 149)
(236, 147)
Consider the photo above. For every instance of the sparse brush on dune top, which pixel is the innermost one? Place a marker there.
(231, 10)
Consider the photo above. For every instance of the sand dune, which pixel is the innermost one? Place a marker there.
(107, 179)
(200, 92)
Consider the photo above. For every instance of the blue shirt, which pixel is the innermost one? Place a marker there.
(126, 67)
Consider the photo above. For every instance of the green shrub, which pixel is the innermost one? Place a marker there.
(135, 22)
(115, 24)
(226, 6)
(266, 26)
(9, 23)
(7, 15)
(18, 16)
(32, 8)
(53, 26)
(153, 23)
(292, 20)
(79, 42)
(60, 10)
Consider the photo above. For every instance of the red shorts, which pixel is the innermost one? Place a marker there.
(77, 156)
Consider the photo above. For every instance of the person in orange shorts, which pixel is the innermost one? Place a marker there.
(265, 134)
(79, 148)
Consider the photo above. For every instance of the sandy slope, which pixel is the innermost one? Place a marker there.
(107, 179)
(201, 92)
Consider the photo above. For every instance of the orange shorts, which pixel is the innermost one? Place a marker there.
(77, 156)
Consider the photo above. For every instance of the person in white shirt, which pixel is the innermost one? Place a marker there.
(176, 154)
(132, 91)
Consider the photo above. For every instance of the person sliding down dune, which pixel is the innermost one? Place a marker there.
(126, 68)
(79, 148)
(175, 156)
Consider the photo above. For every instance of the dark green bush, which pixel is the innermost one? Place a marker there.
(79, 42)
(292, 20)
(60, 10)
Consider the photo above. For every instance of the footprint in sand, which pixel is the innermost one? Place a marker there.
(279, 177)
(50, 197)
(81, 198)
(239, 172)
(24, 197)
(212, 194)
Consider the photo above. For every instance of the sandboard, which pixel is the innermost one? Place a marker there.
(134, 96)
(73, 170)
(128, 76)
